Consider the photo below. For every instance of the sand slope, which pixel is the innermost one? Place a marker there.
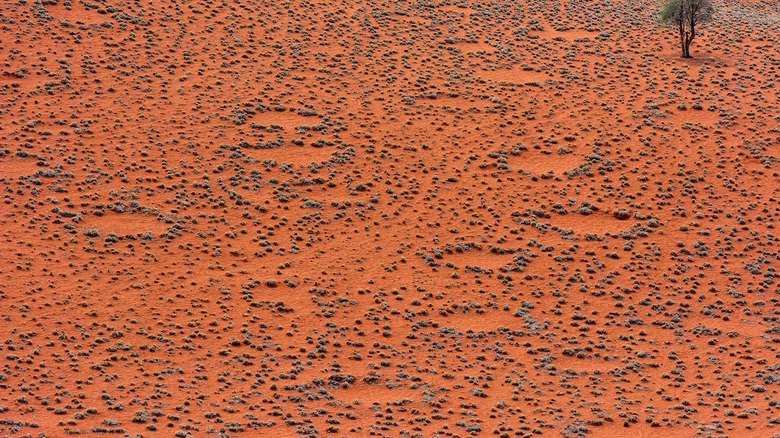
(387, 218)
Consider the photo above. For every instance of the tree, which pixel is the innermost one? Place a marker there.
(686, 15)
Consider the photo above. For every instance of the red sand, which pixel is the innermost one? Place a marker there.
(396, 219)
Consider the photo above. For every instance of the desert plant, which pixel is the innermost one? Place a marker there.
(686, 15)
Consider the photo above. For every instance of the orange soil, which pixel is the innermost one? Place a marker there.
(399, 219)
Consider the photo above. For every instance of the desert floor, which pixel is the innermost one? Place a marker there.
(296, 218)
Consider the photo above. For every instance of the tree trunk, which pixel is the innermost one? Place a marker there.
(682, 37)
(689, 39)
(681, 21)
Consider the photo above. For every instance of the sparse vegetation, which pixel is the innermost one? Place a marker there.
(387, 219)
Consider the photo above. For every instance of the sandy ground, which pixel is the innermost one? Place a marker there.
(257, 218)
